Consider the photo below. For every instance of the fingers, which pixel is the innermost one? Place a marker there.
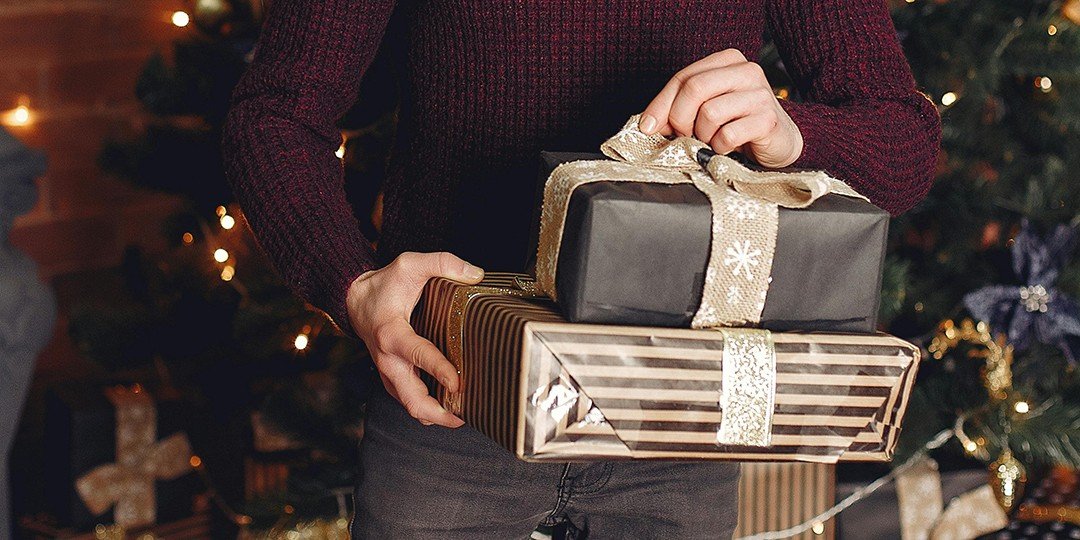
(397, 339)
(403, 384)
(655, 117)
(424, 266)
(723, 109)
(707, 85)
(745, 130)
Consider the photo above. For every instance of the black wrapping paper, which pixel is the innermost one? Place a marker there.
(80, 434)
(635, 253)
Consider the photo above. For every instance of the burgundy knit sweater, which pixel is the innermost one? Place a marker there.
(487, 84)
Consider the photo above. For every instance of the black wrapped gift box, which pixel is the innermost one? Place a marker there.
(635, 253)
(80, 434)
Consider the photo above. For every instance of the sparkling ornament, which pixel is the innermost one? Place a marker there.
(1036, 310)
(1007, 478)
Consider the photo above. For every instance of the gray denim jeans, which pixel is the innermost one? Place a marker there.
(430, 482)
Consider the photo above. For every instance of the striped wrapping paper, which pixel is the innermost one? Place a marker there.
(776, 496)
(549, 390)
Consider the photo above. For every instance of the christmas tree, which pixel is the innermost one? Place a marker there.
(993, 242)
(209, 316)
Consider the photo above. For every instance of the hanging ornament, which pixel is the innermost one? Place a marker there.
(997, 370)
(1036, 310)
(1071, 10)
(1007, 478)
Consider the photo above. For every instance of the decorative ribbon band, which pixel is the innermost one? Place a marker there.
(744, 213)
(748, 392)
(455, 329)
(924, 516)
(140, 460)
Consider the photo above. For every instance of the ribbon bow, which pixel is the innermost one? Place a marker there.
(744, 213)
(140, 460)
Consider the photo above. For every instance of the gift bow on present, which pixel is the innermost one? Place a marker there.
(744, 213)
(140, 460)
(923, 516)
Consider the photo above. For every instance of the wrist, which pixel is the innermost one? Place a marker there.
(355, 297)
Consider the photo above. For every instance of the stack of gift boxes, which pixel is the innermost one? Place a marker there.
(685, 305)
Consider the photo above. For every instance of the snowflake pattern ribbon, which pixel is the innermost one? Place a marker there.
(744, 206)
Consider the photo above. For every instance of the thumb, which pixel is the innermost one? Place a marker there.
(447, 265)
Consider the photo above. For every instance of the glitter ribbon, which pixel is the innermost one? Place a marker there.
(140, 460)
(455, 330)
(748, 391)
(744, 213)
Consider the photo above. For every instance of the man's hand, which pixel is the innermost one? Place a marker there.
(726, 101)
(380, 303)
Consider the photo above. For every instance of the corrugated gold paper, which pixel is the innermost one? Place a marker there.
(549, 390)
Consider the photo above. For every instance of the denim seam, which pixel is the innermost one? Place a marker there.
(599, 484)
(563, 497)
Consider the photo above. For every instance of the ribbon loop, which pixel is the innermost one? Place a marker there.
(745, 205)
(128, 484)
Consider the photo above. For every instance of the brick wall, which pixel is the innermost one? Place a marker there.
(75, 63)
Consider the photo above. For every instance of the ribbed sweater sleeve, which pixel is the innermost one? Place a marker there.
(280, 139)
(863, 121)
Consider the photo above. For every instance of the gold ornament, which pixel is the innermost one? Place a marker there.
(1007, 478)
(997, 373)
(1071, 10)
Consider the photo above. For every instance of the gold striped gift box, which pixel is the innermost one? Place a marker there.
(550, 390)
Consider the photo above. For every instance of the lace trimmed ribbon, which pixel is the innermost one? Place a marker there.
(744, 213)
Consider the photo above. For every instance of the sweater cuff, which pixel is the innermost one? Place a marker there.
(814, 133)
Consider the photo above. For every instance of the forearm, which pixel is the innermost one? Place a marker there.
(864, 121)
(280, 139)
(886, 150)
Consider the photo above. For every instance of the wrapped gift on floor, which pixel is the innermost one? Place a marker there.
(547, 389)
(777, 496)
(118, 456)
(667, 233)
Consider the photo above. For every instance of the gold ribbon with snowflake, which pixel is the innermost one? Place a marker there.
(744, 205)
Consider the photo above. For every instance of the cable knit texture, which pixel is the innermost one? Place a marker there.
(487, 84)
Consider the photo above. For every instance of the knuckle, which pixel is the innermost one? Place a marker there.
(732, 55)
(696, 86)
(445, 262)
(712, 113)
(727, 137)
(754, 70)
(764, 96)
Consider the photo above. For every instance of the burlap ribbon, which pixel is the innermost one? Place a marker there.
(744, 213)
(923, 515)
(140, 460)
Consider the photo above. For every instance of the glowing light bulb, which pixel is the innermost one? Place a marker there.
(1021, 407)
(188, 238)
(948, 98)
(220, 255)
(818, 527)
(195, 462)
(1052, 30)
(340, 152)
(228, 272)
(1043, 83)
(227, 222)
(970, 446)
(180, 19)
(221, 211)
(301, 342)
